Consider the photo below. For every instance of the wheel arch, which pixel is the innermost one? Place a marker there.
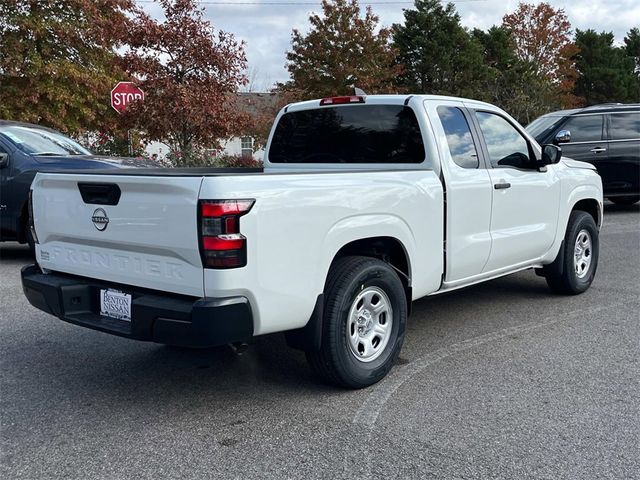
(590, 206)
(586, 198)
(389, 249)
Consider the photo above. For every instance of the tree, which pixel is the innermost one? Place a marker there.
(632, 46)
(607, 72)
(511, 83)
(261, 109)
(437, 54)
(58, 61)
(542, 37)
(129, 143)
(341, 50)
(190, 74)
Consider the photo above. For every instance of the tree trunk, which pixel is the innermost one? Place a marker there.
(185, 145)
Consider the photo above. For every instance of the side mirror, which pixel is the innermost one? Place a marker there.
(4, 160)
(563, 136)
(550, 154)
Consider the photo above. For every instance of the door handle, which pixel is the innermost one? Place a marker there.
(598, 150)
(501, 186)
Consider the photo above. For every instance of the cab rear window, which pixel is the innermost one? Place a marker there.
(385, 134)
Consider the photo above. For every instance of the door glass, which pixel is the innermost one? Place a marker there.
(507, 147)
(585, 128)
(625, 126)
(3, 163)
(463, 150)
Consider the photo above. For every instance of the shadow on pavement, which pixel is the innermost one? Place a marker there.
(11, 251)
(87, 365)
(613, 209)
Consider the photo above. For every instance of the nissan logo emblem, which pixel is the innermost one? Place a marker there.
(100, 219)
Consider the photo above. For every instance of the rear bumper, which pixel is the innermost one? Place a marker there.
(155, 316)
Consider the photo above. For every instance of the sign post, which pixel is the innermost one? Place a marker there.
(122, 95)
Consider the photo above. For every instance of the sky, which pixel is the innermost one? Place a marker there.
(266, 29)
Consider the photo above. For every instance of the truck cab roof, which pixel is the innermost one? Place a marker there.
(393, 99)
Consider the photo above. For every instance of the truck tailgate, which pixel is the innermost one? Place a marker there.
(146, 236)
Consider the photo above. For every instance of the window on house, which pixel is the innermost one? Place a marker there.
(246, 145)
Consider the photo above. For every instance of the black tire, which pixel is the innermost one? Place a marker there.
(561, 275)
(626, 200)
(335, 362)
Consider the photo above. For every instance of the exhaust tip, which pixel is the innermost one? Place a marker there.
(239, 348)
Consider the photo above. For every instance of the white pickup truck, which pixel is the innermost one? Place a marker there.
(364, 205)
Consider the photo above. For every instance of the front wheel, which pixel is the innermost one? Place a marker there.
(626, 200)
(365, 315)
(574, 269)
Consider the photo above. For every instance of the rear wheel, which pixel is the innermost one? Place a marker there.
(364, 322)
(574, 269)
(626, 200)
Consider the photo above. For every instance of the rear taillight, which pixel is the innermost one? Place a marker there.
(342, 100)
(32, 227)
(221, 243)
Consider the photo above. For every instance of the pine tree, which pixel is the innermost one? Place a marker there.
(437, 54)
(607, 72)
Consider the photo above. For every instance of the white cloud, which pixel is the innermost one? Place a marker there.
(266, 29)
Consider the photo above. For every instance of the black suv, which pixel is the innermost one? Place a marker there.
(26, 149)
(608, 136)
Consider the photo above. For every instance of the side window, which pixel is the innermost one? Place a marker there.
(463, 150)
(4, 161)
(585, 128)
(507, 147)
(625, 126)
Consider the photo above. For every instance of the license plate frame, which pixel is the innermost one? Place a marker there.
(115, 304)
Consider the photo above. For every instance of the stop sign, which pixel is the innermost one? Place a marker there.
(123, 94)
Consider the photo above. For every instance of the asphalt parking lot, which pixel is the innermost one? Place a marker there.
(502, 380)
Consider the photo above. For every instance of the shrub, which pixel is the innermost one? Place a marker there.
(204, 158)
(236, 161)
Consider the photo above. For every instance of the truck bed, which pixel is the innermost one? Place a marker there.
(150, 237)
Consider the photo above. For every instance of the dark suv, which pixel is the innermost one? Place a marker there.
(608, 136)
(26, 149)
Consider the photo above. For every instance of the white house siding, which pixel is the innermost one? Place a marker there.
(157, 148)
(230, 147)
